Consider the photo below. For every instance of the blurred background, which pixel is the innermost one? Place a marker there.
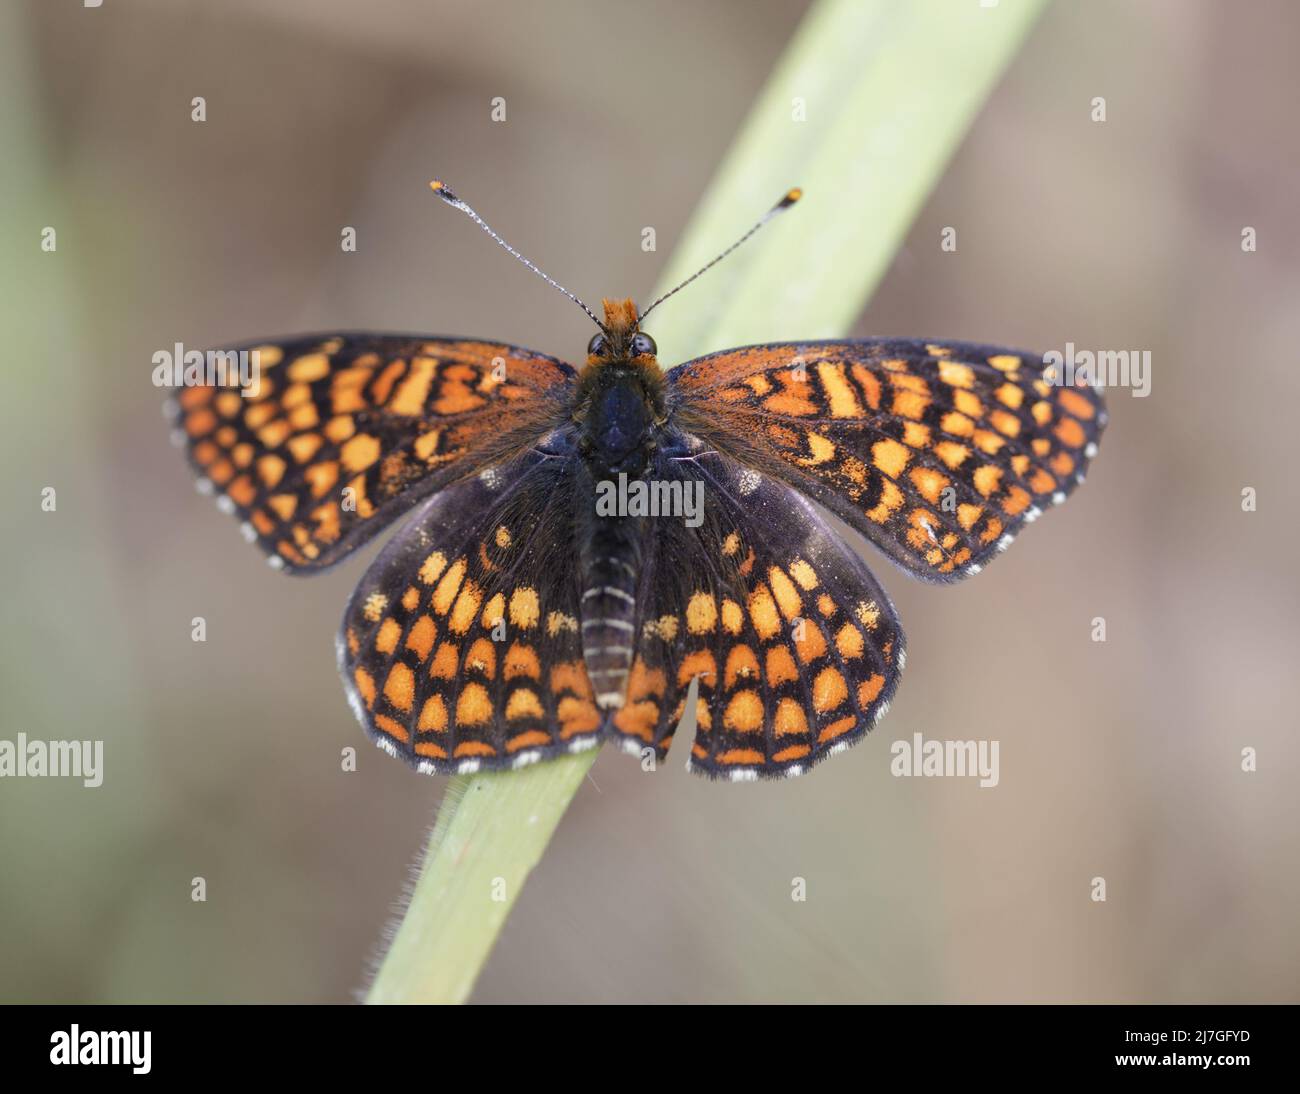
(1119, 759)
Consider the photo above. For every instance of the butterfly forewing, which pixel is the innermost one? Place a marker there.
(339, 434)
(460, 649)
(937, 452)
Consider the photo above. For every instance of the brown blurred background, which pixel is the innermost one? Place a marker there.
(1119, 760)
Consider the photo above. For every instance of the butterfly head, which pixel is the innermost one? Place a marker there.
(621, 340)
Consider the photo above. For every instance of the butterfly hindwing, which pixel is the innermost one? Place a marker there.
(796, 648)
(937, 452)
(339, 434)
(460, 648)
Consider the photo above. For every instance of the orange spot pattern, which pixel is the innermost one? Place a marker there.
(462, 646)
(341, 429)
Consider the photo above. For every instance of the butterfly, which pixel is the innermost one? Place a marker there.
(593, 550)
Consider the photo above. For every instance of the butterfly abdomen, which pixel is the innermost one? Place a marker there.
(610, 558)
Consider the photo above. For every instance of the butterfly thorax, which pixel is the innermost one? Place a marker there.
(617, 425)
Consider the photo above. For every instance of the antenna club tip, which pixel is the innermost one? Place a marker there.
(442, 190)
(791, 196)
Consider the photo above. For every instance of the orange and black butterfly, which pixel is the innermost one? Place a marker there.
(514, 618)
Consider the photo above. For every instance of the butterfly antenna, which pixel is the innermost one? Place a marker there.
(791, 196)
(444, 191)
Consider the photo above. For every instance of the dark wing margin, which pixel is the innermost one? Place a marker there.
(341, 433)
(938, 452)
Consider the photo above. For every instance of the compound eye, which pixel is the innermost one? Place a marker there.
(597, 346)
(643, 344)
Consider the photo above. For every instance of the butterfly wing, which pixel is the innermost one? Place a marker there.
(937, 452)
(460, 647)
(796, 648)
(339, 434)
